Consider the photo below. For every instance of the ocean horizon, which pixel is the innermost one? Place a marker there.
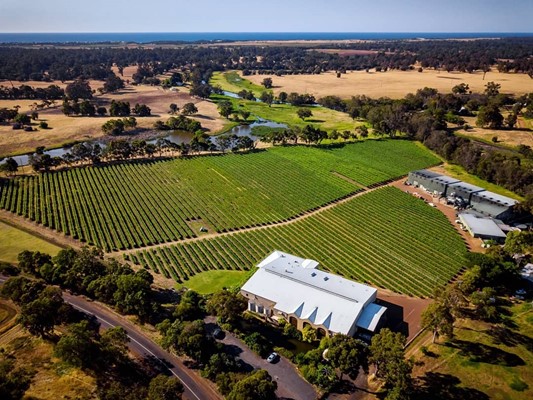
(152, 37)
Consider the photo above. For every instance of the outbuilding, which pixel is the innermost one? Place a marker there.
(483, 228)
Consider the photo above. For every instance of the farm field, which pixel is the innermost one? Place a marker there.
(385, 238)
(137, 204)
(394, 84)
(483, 360)
(64, 130)
(506, 138)
(15, 241)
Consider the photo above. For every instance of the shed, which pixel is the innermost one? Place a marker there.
(483, 228)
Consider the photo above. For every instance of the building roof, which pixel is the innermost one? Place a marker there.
(466, 187)
(445, 179)
(426, 173)
(481, 226)
(310, 294)
(497, 198)
(370, 317)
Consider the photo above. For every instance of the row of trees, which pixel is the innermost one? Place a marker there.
(22, 63)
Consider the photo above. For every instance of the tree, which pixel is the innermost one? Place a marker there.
(256, 386)
(40, 315)
(484, 300)
(78, 347)
(304, 113)
(519, 242)
(173, 108)
(227, 305)
(282, 97)
(462, 88)
(490, 116)
(440, 315)
(87, 108)
(165, 388)
(189, 109)
(79, 89)
(267, 97)
(387, 353)
(119, 109)
(348, 355)
(267, 83)
(309, 334)
(113, 83)
(225, 108)
(23, 119)
(245, 114)
(10, 166)
(492, 89)
(13, 381)
(142, 110)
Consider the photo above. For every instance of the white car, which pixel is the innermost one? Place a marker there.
(273, 357)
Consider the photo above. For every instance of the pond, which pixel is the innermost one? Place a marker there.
(175, 137)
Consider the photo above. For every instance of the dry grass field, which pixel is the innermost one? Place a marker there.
(394, 84)
(507, 138)
(65, 129)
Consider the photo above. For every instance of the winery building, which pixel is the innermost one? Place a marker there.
(292, 288)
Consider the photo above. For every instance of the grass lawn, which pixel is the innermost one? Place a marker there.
(483, 360)
(323, 118)
(213, 281)
(459, 172)
(232, 82)
(15, 241)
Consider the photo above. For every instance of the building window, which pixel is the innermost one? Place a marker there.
(260, 309)
(251, 307)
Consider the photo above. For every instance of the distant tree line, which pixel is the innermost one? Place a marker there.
(57, 63)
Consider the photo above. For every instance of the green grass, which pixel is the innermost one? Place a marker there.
(386, 238)
(132, 205)
(232, 82)
(459, 172)
(13, 241)
(215, 280)
(495, 359)
(323, 118)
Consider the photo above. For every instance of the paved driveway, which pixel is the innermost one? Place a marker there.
(290, 384)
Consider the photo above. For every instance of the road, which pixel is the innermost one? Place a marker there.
(195, 387)
(290, 384)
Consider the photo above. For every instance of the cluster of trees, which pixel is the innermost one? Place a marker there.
(309, 134)
(179, 123)
(85, 108)
(58, 63)
(117, 127)
(185, 333)
(52, 92)
(82, 345)
(475, 296)
(85, 272)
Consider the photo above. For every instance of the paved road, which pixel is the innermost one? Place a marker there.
(195, 387)
(290, 384)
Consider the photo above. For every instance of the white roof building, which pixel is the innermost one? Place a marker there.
(291, 287)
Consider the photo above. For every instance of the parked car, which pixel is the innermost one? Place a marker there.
(273, 357)
(218, 333)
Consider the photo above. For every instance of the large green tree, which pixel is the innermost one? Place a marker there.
(165, 388)
(227, 305)
(257, 386)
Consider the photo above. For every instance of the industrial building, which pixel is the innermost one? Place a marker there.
(464, 195)
(289, 287)
(483, 228)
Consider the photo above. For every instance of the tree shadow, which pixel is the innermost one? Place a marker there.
(478, 352)
(395, 317)
(504, 335)
(315, 121)
(438, 386)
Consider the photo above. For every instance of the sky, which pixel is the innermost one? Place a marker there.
(266, 16)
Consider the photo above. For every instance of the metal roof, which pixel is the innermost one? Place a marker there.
(467, 187)
(481, 226)
(497, 198)
(311, 294)
(426, 173)
(445, 179)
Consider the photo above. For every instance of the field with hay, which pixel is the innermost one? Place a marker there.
(394, 84)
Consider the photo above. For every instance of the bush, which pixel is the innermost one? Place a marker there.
(43, 125)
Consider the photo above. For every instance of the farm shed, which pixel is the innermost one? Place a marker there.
(290, 287)
(464, 190)
(431, 181)
(483, 228)
(493, 205)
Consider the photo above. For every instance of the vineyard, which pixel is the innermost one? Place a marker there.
(385, 238)
(132, 205)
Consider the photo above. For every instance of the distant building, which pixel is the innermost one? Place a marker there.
(475, 198)
(290, 287)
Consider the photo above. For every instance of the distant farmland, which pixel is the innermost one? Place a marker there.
(386, 238)
(133, 205)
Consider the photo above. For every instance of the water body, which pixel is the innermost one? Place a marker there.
(175, 137)
(151, 37)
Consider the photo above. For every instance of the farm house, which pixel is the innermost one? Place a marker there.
(290, 287)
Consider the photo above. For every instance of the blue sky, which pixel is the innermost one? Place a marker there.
(266, 16)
